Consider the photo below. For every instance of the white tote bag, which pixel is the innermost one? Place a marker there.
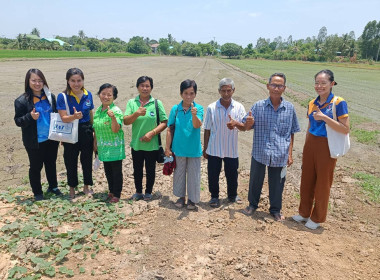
(339, 143)
(61, 131)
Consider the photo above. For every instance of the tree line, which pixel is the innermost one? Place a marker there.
(322, 47)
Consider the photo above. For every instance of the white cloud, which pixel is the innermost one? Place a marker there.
(254, 15)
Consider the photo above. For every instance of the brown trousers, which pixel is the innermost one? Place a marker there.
(316, 179)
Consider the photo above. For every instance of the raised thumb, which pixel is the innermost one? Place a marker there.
(108, 107)
(75, 109)
(230, 117)
(250, 114)
(34, 110)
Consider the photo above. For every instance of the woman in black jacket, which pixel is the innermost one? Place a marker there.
(32, 114)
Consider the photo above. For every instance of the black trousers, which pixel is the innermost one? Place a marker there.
(138, 158)
(84, 147)
(275, 184)
(45, 155)
(214, 166)
(114, 174)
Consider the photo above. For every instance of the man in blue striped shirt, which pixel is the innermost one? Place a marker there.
(223, 120)
(274, 121)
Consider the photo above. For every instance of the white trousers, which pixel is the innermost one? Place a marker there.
(187, 170)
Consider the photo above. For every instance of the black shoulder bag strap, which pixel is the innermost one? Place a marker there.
(158, 121)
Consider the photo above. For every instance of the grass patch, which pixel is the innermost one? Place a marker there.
(38, 227)
(364, 136)
(5, 54)
(370, 185)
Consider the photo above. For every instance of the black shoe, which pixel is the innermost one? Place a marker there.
(55, 191)
(39, 197)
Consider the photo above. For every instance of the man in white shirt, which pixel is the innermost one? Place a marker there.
(221, 126)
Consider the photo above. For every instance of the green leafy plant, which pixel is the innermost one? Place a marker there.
(41, 223)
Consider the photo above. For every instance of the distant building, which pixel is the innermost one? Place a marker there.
(154, 47)
(61, 43)
(32, 36)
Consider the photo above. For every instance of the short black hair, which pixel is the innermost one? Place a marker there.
(143, 79)
(281, 75)
(188, 84)
(107, 85)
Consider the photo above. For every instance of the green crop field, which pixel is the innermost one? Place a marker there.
(5, 54)
(358, 84)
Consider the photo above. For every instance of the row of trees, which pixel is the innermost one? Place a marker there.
(322, 47)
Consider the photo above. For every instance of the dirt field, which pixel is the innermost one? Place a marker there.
(209, 243)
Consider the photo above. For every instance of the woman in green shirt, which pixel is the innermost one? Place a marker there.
(109, 139)
(141, 113)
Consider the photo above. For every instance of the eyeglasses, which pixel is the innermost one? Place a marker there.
(276, 86)
(36, 81)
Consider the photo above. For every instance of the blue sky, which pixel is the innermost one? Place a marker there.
(239, 21)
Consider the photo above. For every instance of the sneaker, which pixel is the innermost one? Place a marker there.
(55, 191)
(148, 197)
(299, 218)
(137, 196)
(214, 202)
(114, 199)
(311, 225)
(39, 197)
(190, 205)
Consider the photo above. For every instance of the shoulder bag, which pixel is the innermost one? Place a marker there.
(61, 131)
(339, 143)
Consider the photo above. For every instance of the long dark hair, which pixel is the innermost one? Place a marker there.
(71, 72)
(328, 73)
(28, 90)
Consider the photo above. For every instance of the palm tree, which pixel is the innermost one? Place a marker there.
(35, 31)
(81, 34)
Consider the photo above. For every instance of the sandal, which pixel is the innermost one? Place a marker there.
(191, 205)
(114, 199)
(89, 192)
(109, 196)
(236, 200)
(249, 210)
(180, 203)
(278, 217)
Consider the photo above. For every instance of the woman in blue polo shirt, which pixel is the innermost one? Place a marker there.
(187, 117)
(80, 105)
(32, 114)
(317, 165)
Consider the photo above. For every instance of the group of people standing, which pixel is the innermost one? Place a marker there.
(273, 119)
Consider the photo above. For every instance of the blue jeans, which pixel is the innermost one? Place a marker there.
(214, 167)
(275, 182)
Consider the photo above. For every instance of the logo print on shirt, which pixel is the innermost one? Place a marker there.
(152, 114)
(88, 103)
